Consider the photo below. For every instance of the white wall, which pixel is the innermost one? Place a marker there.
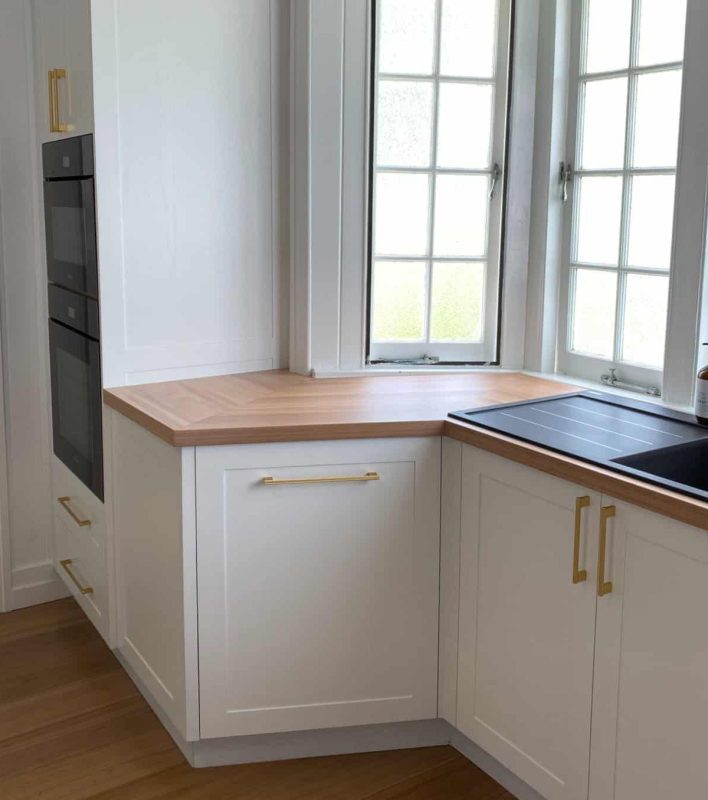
(191, 153)
(28, 573)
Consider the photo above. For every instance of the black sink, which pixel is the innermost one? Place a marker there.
(683, 464)
(646, 441)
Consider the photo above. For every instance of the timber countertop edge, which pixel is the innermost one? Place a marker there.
(278, 406)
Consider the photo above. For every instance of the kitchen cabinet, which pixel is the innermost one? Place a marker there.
(527, 621)
(590, 685)
(650, 704)
(318, 584)
(309, 601)
(82, 551)
(64, 85)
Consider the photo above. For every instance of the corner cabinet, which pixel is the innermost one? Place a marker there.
(278, 587)
(583, 669)
(318, 584)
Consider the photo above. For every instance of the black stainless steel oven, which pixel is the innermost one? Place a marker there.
(69, 214)
(74, 334)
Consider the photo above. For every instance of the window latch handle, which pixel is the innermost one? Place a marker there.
(566, 176)
(496, 174)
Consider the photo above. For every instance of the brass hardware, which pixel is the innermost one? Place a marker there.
(370, 476)
(603, 587)
(66, 564)
(82, 523)
(579, 575)
(55, 125)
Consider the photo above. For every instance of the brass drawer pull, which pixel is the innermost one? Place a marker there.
(579, 575)
(603, 587)
(370, 476)
(82, 523)
(66, 564)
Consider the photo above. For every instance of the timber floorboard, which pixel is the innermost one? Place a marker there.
(73, 727)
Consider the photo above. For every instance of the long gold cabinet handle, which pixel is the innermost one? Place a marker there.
(579, 575)
(370, 476)
(66, 564)
(55, 123)
(604, 587)
(64, 503)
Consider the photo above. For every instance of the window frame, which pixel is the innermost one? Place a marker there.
(574, 363)
(466, 354)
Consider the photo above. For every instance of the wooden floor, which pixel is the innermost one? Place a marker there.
(73, 726)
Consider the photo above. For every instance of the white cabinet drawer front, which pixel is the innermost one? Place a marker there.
(76, 505)
(650, 719)
(83, 567)
(526, 630)
(318, 600)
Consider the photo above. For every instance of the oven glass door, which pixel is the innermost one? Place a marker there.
(70, 220)
(76, 404)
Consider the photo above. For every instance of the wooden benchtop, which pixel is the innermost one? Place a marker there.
(278, 406)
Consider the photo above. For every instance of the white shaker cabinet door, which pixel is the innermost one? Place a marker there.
(526, 628)
(650, 712)
(318, 598)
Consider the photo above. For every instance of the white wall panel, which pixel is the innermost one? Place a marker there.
(189, 157)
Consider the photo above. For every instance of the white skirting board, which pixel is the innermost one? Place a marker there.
(335, 741)
(34, 585)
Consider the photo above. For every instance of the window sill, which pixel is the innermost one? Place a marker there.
(365, 372)
(602, 387)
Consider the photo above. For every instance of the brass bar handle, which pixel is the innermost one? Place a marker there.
(66, 564)
(370, 476)
(55, 124)
(603, 587)
(579, 575)
(52, 104)
(64, 503)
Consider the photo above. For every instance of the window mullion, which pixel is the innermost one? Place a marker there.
(433, 165)
(626, 183)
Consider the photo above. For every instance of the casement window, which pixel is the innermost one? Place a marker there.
(620, 183)
(439, 92)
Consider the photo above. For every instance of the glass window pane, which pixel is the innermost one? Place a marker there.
(603, 114)
(407, 36)
(402, 202)
(608, 29)
(593, 323)
(651, 221)
(599, 216)
(468, 38)
(662, 25)
(461, 215)
(644, 329)
(464, 125)
(657, 116)
(399, 301)
(457, 302)
(404, 120)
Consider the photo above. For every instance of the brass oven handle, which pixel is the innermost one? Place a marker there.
(55, 126)
(370, 476)
(579, 575)
(82, 523)
(603, 587)
(66, 564)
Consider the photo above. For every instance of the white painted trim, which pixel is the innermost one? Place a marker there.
(35, 584)
(546, 219)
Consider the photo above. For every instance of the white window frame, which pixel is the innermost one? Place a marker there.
(582, 365)
(687, 323)
(486, 350)
(330, 82)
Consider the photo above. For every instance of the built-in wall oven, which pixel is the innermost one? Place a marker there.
(74, 339)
